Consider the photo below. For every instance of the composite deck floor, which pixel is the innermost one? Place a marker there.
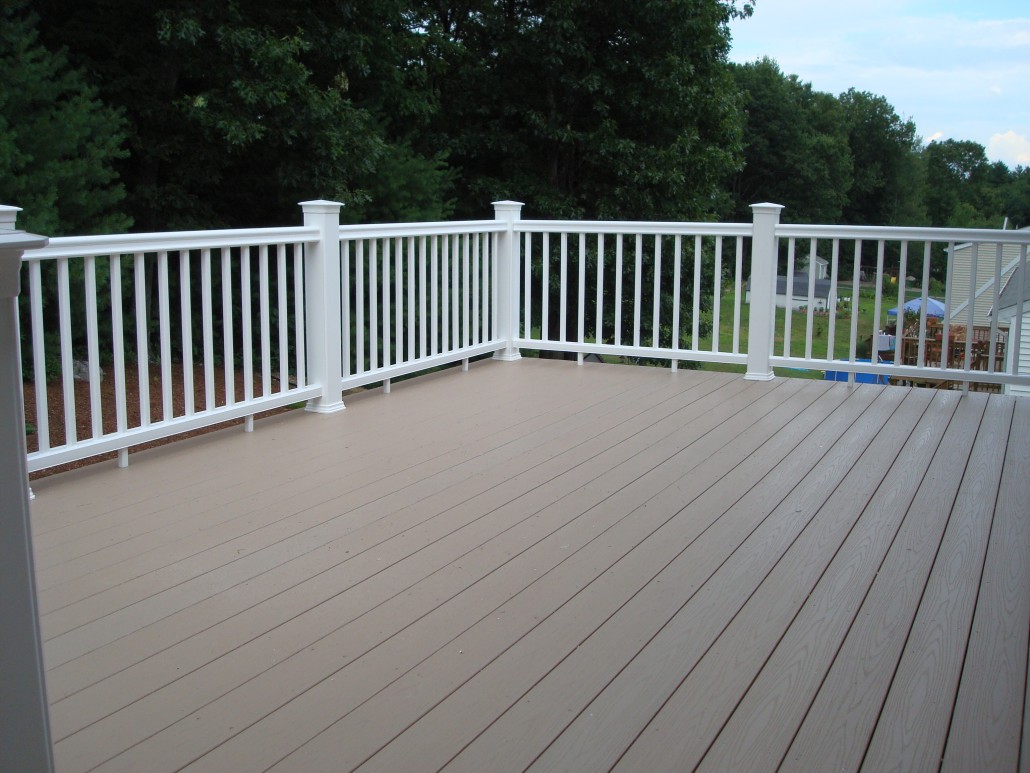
(538, 565)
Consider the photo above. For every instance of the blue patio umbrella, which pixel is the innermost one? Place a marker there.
(934, 308)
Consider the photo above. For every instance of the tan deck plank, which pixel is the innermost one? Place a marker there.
(491, 411)
(822, 512)
(298, 568)
(523, 593)
(291, 536)
(843, 716)
(105, 498)
(285, 589)
(913, 725)
(196, 550)
(762, 726)
(295, 674)
(594, 656)
(611, 722)
(608, 584)
(986, 724)
(550, 562)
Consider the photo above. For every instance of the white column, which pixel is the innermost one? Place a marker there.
(507, 278)
(25, 726)
(763, 291)
(323, 316)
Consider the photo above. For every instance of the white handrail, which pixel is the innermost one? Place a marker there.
(315, 309)
(902, 233)
(647, 228)
(125, 244)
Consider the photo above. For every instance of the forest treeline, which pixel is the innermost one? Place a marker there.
(119, 115)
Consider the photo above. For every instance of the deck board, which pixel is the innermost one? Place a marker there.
(985, 729)
(549, 565)
(913, 724)
(843, 716)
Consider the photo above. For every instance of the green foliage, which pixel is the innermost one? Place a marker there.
(585, 109)
(852, 159)
(58, 142)
(886, 186)
(795, 147)
(237, 111)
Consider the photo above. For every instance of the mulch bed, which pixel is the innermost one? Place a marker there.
(84, 416)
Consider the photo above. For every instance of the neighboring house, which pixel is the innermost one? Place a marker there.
(822, 266)
(1017, 355)
(799, 292)
(986, 261)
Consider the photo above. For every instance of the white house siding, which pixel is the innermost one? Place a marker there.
(1007, 317)
(1024, 362)
(800, 302)
(961, 270)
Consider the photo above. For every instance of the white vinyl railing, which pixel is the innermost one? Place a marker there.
(221, 325)
(206, 320)
(619, 288)
(949, 347)
(416, 296)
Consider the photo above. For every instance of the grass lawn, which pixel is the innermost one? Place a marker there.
(799, 322)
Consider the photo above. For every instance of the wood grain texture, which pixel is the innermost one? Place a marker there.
(987, 722)
(836, 730)
(538, 562)
(913, 724)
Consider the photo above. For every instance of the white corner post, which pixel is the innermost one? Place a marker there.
(507, 279)
(25, 727)
(763, 291)
(323, 320)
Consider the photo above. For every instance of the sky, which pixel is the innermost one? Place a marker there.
(958, 70)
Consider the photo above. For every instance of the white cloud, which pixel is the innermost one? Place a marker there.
(935, 136)
(1011, 148)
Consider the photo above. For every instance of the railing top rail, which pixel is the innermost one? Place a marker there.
(904, 233)
(389, 230)
(634, 227)
(121, 244)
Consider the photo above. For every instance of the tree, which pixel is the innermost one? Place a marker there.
(795, 146)
(607, 110)
(886, 186)
(58, 142)
(584, 109)
(239, 111)
(962, 188)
